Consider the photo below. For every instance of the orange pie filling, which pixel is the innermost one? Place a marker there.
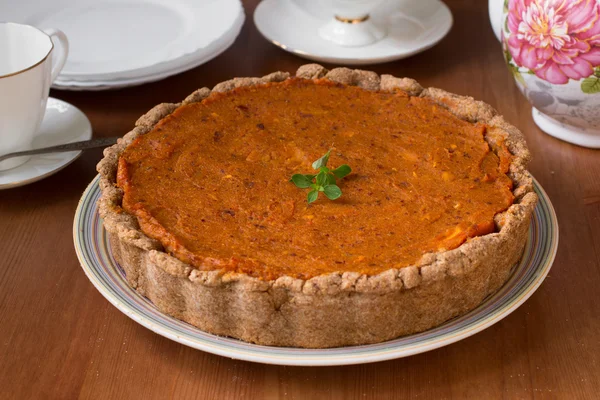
(211, 180)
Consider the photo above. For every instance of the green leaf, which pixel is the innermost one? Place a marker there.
(301, 181)
(330, 180)
(321, 162)
(517, 74)
(322, 178)
(597, 72)
(590, 85)
(325, 180)
(332, 192)
(342, 171)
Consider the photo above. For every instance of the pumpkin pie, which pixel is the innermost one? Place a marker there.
(202, 216)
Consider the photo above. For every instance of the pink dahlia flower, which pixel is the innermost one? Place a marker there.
(556, 39)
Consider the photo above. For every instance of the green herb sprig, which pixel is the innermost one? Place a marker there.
(323, 181)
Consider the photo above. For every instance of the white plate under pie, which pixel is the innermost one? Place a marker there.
(62, 123)
(413, 26)
(94, 253)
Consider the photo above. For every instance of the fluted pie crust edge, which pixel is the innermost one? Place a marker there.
(337, 309)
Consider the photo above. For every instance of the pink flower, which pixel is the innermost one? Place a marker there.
(556, 39)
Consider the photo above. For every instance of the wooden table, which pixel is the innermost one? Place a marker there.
(59, 338)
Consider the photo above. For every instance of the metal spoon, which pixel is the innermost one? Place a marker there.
(83, 145)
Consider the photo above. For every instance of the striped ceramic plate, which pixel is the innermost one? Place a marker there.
(94, 254)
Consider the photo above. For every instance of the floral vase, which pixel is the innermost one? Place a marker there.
(552, 48)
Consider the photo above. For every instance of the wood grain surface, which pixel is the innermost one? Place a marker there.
(59, 338)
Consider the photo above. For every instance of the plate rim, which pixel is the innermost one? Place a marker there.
(318, 360)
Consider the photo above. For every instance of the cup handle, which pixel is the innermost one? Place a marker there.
(495, 9)
(58, 63)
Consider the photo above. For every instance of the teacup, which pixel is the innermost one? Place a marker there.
(350, 24)
(28, 66)
(553, 51)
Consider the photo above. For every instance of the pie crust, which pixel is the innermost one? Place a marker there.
(336, 309)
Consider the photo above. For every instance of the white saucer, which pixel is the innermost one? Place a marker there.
(63, 123)
(412, 27)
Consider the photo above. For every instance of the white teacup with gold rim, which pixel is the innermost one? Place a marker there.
(351, 25)
(29, 63)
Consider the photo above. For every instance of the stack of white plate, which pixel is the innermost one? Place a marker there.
(120, 43)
